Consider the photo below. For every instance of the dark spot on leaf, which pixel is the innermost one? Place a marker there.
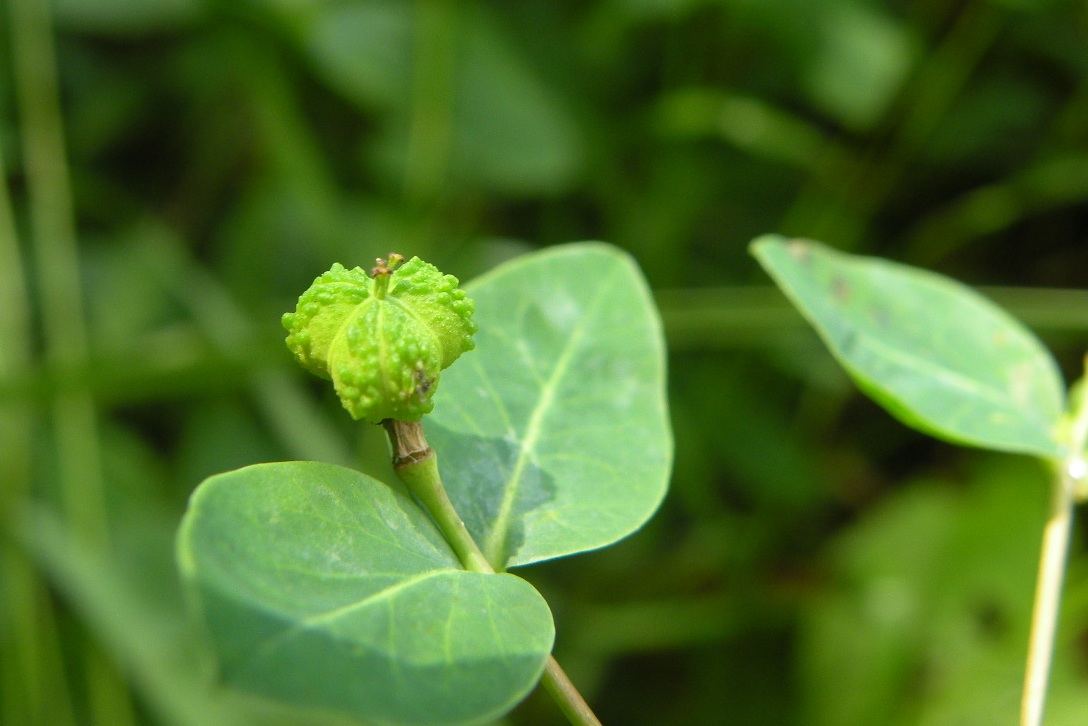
(840, 290)
(799, 251)
(1082, 647)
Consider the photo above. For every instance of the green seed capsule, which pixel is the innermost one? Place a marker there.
(382, 339)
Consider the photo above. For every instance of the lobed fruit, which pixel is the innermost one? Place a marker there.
(382, 339)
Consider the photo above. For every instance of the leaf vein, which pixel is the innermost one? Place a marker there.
(494, 546)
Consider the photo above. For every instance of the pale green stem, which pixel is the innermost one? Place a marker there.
(1048, 590)
(1070, 474)
(563, 692)
(417, 466)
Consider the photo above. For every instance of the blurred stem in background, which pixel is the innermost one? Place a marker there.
(56, 265)
(696, 320)
(753, 317)
(25, 674)
(76, 454)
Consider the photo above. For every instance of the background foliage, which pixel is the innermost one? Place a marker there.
(814, 563)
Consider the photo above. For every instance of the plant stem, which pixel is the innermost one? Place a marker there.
(563, 692)
(24, 675)
(1047, 601)
(417, 466)
(1069, 476)
(416, 463)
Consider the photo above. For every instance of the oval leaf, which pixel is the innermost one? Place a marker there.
(936, 354)
(553, 435)
(325, 588)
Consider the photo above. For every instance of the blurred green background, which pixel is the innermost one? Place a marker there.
(176, 172)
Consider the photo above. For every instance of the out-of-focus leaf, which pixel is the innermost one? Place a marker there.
(144, 628)
(125, 304)
(219, 435)
(1047, 185)
(859, 640)
(364, 50)
(505, 129)
(862, 60)
(926, 620)
(511, 133)
(748, 123)
(935, 353)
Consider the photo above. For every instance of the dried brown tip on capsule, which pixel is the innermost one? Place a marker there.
(387, 267)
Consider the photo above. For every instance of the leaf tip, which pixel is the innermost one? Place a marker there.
(757, 247)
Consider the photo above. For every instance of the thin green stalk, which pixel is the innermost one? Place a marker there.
(1070, 474)
(416, 463)
(417, 466)
(36, 646)
(1048, 589)
(53, 237)
(14, 307)
(563, 692)
(31, 673)
(52, 223)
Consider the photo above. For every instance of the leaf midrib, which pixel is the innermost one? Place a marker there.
(315, 621)
(950, 377)
(947, 377)
(494, 546)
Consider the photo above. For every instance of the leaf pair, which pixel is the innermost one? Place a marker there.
(326, 588)
(936, 354)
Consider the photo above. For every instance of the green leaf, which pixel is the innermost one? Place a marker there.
(553, 435)
(325, 588)
(933, 352)
(506, 129)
